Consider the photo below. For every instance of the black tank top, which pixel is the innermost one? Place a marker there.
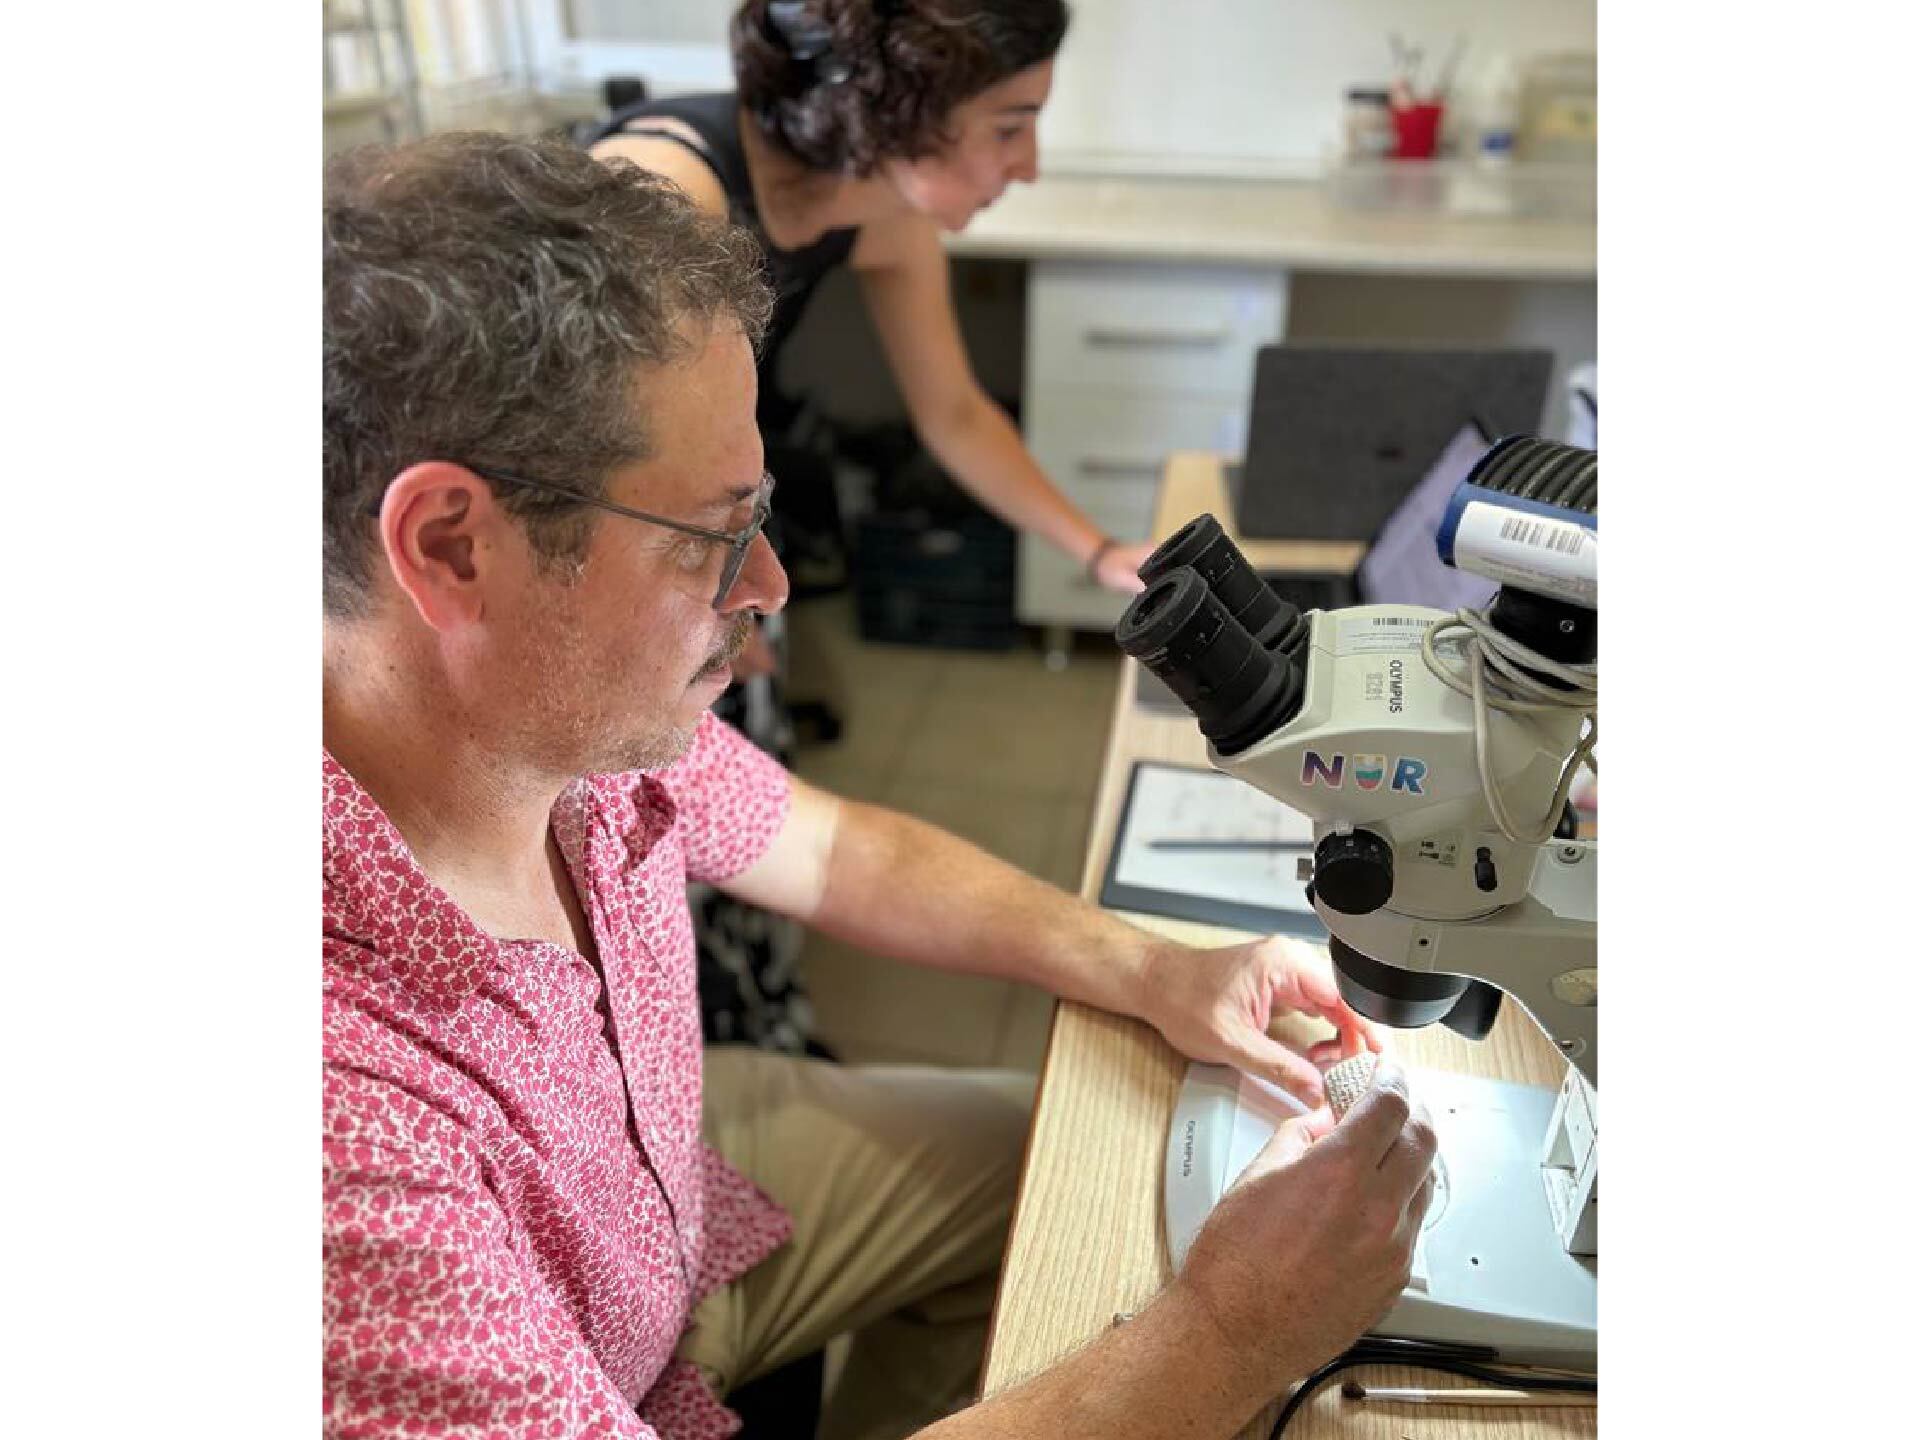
(715, 119)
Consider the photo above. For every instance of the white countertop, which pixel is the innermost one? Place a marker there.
(1294, 223)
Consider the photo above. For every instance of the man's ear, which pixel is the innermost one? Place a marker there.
(442, 533)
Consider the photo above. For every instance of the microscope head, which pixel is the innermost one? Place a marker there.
(1359, 719)
(1245, 662)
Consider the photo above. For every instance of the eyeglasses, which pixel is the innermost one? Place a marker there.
(740, 540)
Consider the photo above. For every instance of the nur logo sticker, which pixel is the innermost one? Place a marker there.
(1409, 772)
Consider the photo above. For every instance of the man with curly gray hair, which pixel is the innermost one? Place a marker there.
(546, 1212)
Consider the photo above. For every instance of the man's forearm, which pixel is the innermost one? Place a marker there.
(1167, 1374)
(902, 888)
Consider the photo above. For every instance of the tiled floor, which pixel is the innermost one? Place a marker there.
(992, 746)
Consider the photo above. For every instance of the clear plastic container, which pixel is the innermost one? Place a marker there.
(1497, 111)
(1369, 124)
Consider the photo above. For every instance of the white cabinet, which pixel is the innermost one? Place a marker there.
(1126, 363)
(1146, 326)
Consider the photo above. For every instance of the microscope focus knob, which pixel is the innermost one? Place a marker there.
(1353, 873)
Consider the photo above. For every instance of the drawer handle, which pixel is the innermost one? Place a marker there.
(1189, 339)
(1109, 465)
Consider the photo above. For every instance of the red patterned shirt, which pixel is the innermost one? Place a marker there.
(506, 1252)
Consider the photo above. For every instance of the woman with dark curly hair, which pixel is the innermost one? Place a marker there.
(860, 130)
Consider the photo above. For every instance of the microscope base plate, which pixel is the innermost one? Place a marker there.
(1489, 1268)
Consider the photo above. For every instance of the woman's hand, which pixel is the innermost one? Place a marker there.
(1215, 1005)
(1119, 567)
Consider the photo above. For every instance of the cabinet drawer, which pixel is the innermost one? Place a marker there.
(1108, 450)
(1151, 326)
(1124, 511)
(1053, 589)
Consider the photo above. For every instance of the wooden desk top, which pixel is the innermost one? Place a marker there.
(1087, 1243)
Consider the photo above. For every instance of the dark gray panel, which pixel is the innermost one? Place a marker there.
(1340, 435)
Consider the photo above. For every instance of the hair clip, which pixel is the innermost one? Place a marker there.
(807, 39)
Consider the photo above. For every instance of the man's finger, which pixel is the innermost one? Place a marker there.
(1349, 1042)
(1362, 1035)
(1302, 979)
(1287, 1144)
(1308, 987)
(1423, 1198)
(1266, 1057)
(1415, 1215)
(1410, 1158)
(1372, 1126)
(1326, 1053)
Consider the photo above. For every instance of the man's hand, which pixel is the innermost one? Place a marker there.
(1309, 1248)
(1215, 1005)
(1315, 1240)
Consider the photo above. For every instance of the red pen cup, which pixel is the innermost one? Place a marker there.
(1416, 131)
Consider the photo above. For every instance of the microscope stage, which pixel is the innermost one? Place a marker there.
(1489, 1268)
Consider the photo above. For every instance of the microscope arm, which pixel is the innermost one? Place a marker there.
(1540, 950)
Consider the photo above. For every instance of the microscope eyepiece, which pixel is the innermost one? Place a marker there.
(1231, 649)
(1201, 545)
(1238, 690)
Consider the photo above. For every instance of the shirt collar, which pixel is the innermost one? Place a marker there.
(394, 922)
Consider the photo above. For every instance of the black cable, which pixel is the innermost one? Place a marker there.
(1420, 1355)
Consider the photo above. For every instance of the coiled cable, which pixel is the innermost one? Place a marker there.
(1496, 677)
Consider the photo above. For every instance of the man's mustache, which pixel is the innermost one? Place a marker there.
(730, 651)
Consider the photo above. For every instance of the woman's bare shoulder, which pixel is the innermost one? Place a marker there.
(669, 159)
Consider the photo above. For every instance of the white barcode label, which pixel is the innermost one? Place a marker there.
(1364, 631)
(1530, 552)
(1546, 534)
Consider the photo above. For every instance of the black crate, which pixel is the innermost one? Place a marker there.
(944, 581)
